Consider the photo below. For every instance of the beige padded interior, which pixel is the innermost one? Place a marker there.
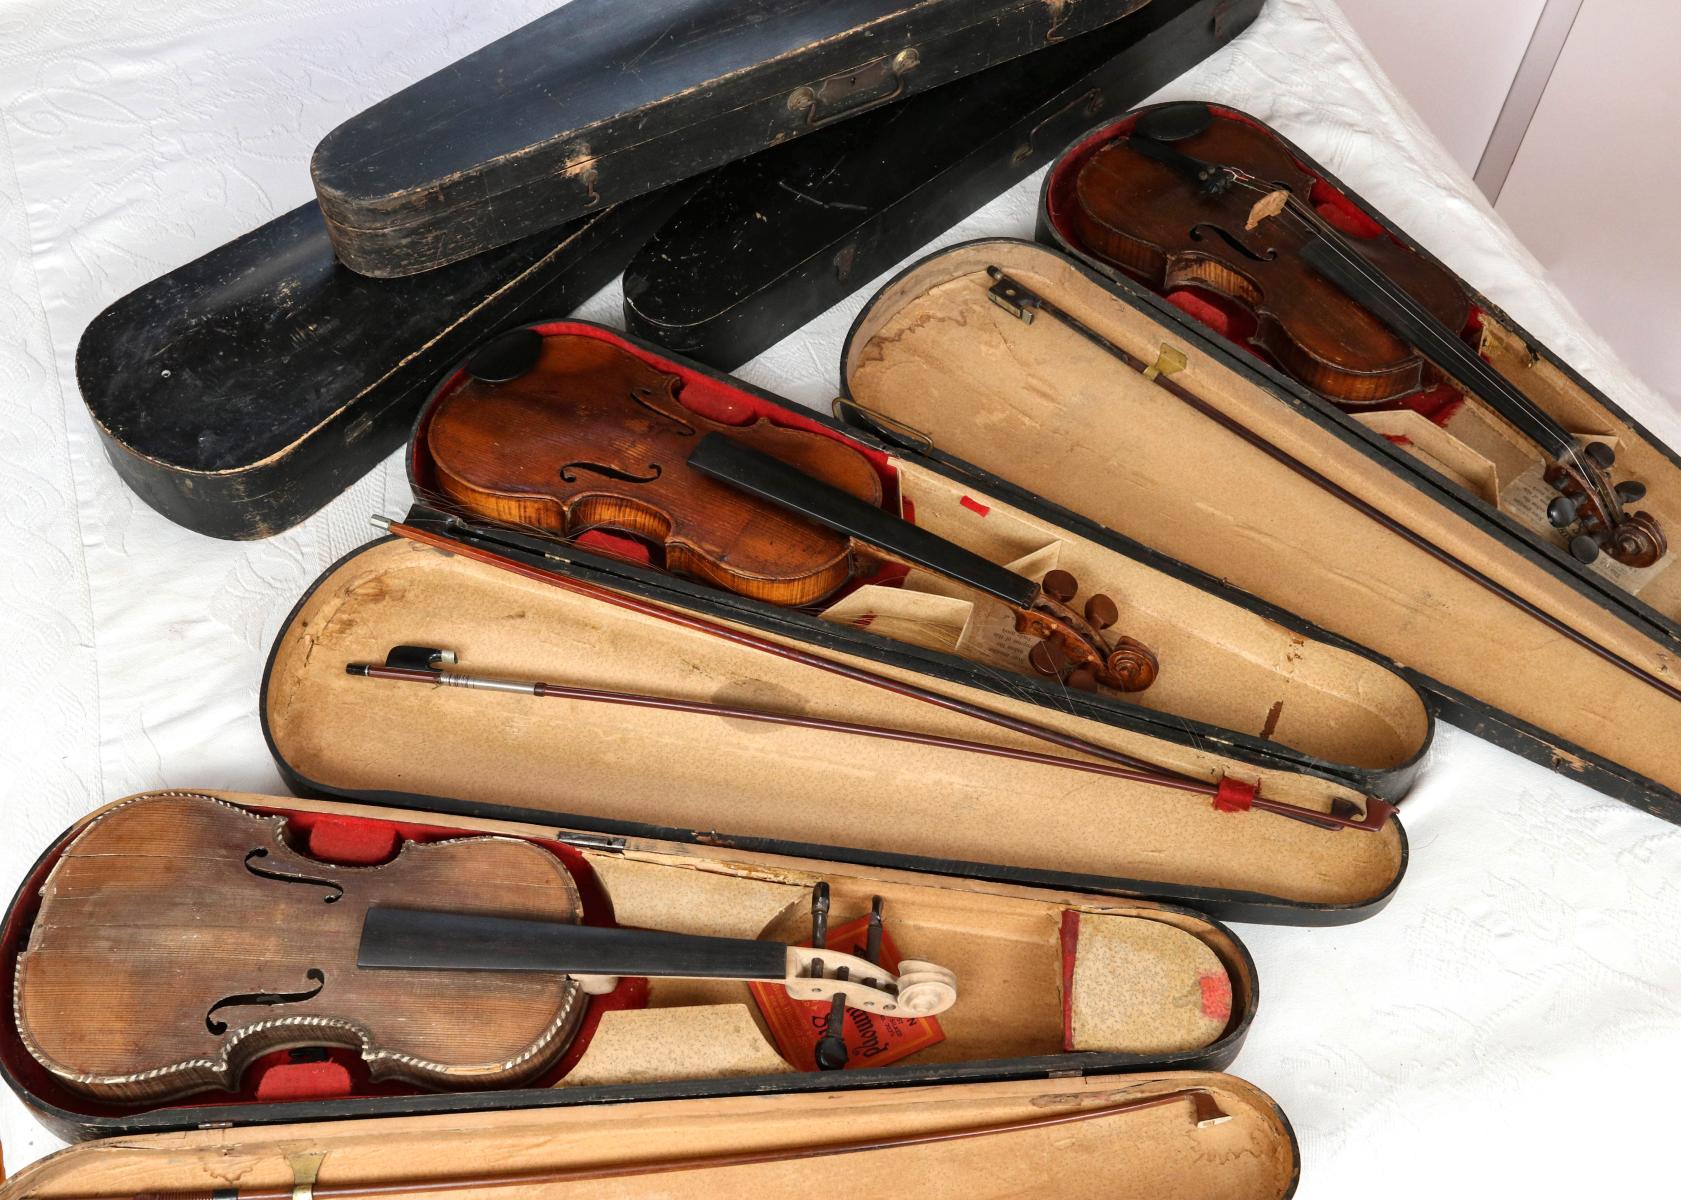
(1157, 1153)
(1005, 945)
(702, 772)
(1047, 410)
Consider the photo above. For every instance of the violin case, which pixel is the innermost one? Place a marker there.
(241, 392)
(1069, 995)
(852, 203)
(1248, 696)
(599, 101)
(936, 362)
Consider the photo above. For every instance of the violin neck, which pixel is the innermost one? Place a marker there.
(414, 939)
(728, 461)
(1408, 320)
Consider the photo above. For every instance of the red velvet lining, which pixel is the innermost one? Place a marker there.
(307, 1074)
(1231, 320)
(1070, 938)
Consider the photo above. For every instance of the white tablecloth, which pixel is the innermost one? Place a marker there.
(1510, 1021)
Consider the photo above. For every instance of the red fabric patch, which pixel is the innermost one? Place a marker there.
(1234, 795)
(1341, 213)
(302, 1081)
(1216, 996)
(351, 841)
(1070, 947)
(974, 506)
(1399, 439)
(626, 549)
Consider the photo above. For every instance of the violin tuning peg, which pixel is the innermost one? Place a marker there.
(831, 1051)
(1048, 659)
(1631, 491)
(1561, 512)
(1060, 586)
(1600, 454)
(820, 916)
(872, 942)
(1584, 548)
(1101, 612)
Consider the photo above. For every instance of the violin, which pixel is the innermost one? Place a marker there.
(180, 937)
(1188, 197)
(569, 433)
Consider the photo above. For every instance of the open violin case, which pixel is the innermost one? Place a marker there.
(1414, 535)
(1281, 742)
(240, 392)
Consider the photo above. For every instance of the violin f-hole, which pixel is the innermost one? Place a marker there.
(334, 891)
(567, 472)
(315, 975)
(1233, 241)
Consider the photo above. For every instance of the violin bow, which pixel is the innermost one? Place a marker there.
(1206, 1111)
(1343, 815)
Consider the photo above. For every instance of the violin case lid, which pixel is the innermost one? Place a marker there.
(1003, 400)
(766, 244)
(1219, 1136)
(600, 100)
(1269, 699)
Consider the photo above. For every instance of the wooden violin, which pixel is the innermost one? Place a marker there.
(570, 433)
(180, 937)
(1192, 198)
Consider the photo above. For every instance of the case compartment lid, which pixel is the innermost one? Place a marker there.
(602, 100)
(1206, 1134)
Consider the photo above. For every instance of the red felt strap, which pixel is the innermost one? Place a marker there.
(1234, 795)
(974, 506)
(351, 842)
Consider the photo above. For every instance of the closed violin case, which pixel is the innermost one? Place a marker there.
(600, 101)
(1271, 752)
(227, 961)
(1391, 529)
(852, 202)
(240, 392)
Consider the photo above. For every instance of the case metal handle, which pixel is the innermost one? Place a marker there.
(852, 91)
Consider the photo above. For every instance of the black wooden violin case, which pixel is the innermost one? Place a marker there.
(854, 201)
(1512, 637)
(241, 392)
(599, 101)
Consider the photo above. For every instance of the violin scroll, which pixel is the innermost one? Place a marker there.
(919, 989)
(1586, 501)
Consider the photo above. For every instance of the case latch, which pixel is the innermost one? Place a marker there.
(591, 841)
(845, 94)
(1169, 361)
